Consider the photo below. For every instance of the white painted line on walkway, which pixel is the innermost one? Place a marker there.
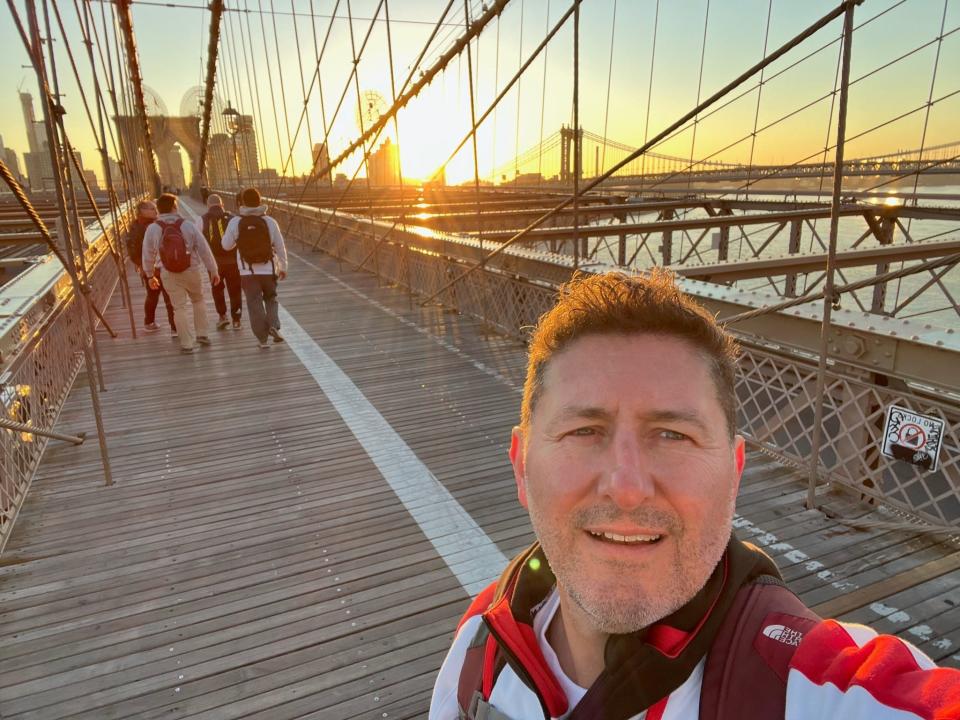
(472, 557)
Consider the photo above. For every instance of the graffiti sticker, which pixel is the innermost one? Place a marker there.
(912, 437)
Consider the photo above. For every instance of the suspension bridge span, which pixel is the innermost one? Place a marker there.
(180, 537)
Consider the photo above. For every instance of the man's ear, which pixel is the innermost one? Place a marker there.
(740, 456)
(518, 460)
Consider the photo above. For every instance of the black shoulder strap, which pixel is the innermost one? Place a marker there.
(748, 662)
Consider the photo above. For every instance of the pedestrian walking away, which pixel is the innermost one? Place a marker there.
(262, 259)
(146, 214)
(638, 601)
(215, 222)
(180, 249)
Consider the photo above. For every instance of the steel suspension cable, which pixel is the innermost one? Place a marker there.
(543, 100)
(375, 136)
(253, 88)
(273, 99)
(319, 53)
(116, 250)
(646, 122)
(926, 120)
(756, 114)
(516, 142)
(356, 80)
(491, 109)
(473, 122)
(425, 78)
(722, 92)
(606, 107)
(577, 144)
(343, 96)
(703, 55)
(283, 92)
(303, 85)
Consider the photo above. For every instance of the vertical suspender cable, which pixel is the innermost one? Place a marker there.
(577, 137)
(646, 122)
(473, 124)
(696, 120)
(543, 104)
(606, 111)
(756, 114)
(516, 141)
(90, 351)
(828, 290)
(283, 91)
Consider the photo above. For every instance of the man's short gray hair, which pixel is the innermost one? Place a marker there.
(213, 200)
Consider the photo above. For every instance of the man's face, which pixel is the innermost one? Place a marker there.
(629, 475)
(149, 212)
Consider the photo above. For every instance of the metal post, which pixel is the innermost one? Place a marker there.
(828, 297)
(790, 280)
(91, 359)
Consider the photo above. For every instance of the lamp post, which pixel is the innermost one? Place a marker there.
(232, 120)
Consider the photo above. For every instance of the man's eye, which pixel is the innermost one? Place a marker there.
(583, 432)
(673, 435)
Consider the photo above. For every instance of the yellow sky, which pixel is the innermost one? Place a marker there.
(261, 74)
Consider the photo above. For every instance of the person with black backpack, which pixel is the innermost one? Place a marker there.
(146, 214)
(181, 250)
(215, 221)
(262, 261)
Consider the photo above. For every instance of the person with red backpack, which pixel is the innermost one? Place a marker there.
(215, 221)
(637, 601)
(146, 214)
(262, 258)
(181, 249)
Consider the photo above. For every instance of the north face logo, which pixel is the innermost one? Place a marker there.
(781, 633)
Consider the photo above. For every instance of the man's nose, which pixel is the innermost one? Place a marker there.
(628, 481)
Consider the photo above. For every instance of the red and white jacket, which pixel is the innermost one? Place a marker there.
(831, 670)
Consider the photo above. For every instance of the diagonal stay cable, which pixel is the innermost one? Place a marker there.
(492, 107)
(336, 113)
(475, 29)
(356, 173)
(729, 87)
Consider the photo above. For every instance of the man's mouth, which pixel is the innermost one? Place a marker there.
(624, 539)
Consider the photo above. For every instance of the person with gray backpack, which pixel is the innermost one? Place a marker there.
(179, 249)
(262, 258)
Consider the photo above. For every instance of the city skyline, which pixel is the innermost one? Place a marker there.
(669, 75)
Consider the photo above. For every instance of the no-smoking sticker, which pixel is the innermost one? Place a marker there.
(912, 437)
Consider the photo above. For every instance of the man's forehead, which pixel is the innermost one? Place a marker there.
(610, 365)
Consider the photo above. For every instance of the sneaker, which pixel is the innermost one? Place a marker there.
(151, 327)
(236, 324)
(173, 334)
(189, 350)
(275, 334)
(263, 345)
(222, 323)
(203, 339)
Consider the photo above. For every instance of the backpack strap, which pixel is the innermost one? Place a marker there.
(750, 657)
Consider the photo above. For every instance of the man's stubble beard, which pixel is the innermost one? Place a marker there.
(635, 606)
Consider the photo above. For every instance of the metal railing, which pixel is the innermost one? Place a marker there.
(774, 386)
(36, 376)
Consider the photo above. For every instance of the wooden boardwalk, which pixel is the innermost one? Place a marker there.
(252, 561)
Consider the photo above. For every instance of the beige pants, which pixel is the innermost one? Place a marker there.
(182, 287)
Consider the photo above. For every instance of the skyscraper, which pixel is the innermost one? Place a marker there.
(384, 165)
(37, 160)
(321, 160)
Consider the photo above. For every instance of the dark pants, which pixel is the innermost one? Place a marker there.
(229, 279)
(262, 307)
(150, 304)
